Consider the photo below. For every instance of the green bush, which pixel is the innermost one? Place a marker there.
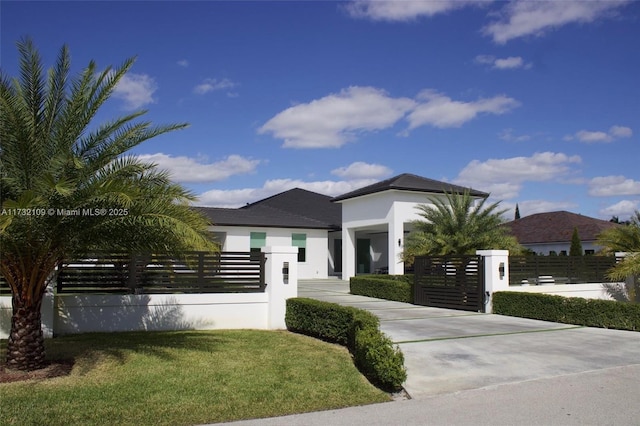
(568, 310)
(398, 288)
(324, 320)
(373, 352)
(378, 359)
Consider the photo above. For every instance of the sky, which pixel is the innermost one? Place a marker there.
(535, 102)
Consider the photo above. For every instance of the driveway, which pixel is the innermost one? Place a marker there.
(448, 351)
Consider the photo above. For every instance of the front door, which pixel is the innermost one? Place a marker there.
(337, 255)
(363, 256)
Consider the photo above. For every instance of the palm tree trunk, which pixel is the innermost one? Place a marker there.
(25, 348)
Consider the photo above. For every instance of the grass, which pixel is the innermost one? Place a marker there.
(184, 378)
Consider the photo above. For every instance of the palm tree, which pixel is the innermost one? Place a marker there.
(456, 225)
(54, 160)
(625, 238)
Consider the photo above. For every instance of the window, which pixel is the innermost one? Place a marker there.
(300, 241)
(257, 241)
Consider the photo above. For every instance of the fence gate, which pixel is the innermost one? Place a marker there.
(455, 282)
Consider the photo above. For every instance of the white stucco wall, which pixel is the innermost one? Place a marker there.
(316, 264)
(83, 313)
(587, 291)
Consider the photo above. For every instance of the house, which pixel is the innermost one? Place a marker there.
(355, 233)
(549, 232)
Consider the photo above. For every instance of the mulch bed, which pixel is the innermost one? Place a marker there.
(56, 368)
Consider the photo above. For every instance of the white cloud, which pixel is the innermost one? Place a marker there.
(623, 209)
(606, 186)
(511, 62)
(183, 63)
(136, 90)
(213, 84)
(587, 136)
(240, 197)
(503, 178)
(523, 17)
(593, 137)
(187, 169)
(394, 10)
(441, 111)
(334, 120)
(507, 135)
(360, 170)
(620, 132)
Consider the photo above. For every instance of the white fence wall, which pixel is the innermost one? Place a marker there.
(497, 279)
(83, 313)
(587, 291)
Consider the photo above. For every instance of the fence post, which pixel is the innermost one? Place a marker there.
(281, 276)
(496, 274)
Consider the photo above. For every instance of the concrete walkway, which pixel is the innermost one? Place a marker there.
(477, 369)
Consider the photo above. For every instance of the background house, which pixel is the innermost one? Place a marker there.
(359, 232)
(551, 232)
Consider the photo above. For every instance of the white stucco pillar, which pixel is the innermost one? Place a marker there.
(281, 276)
(496, 273)
(396, 244)
(348, 253)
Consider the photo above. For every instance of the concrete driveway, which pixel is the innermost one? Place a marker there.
(448, 351)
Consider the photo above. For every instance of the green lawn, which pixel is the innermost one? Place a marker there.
(183, 378)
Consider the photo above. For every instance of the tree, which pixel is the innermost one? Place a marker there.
(625, 238)
(68, 187)
(517, 216)
(454, 225)
(576, 245)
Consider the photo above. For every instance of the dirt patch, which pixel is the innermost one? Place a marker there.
(56, 368)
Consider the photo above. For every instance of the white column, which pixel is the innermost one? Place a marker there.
(396, 243)
(496, 273)
(348, 253)
(281, 276)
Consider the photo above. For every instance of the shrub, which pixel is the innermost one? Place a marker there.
(377, 358)
(324, 320)
(398, 288)
(568, 310)
(357, 329)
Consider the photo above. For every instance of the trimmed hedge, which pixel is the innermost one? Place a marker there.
(398, 288)
(373, 352)
(568, 310)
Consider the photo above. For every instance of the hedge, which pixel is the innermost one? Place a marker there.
(373, 352)
(568, 310)
(398, 288)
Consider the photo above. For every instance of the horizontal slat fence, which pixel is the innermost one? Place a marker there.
(559, 269)
(195, 272)
(455, 282)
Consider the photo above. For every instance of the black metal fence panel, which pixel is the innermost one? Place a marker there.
(559, 269)
(455, 282)
(194, 272)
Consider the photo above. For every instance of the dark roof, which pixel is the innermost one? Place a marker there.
(409, 182)
(296, 208)
(556, 227)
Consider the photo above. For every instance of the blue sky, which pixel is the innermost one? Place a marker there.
(537, 103)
